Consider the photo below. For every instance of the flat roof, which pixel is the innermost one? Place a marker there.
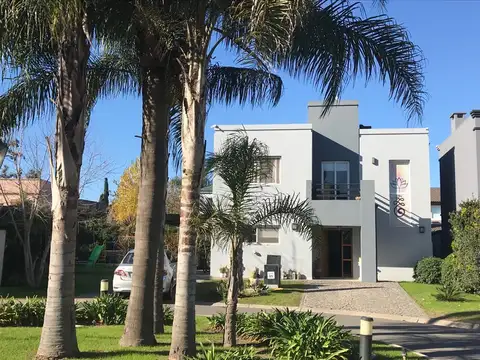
(393, 131)
(262, 127)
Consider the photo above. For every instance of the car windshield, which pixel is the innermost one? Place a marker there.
(128, 259)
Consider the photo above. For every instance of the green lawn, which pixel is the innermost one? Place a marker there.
(466, 310)
(87, 282)
(102, 343)
(290, 294)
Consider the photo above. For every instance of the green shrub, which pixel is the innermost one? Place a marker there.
(466, 244)
(222, 289)
(217, 321)
(451, 272)
(307, 336)
(167, 315)
(212, 353)
(105, 310)
(449, 292)
(428, 271)
(16, 313)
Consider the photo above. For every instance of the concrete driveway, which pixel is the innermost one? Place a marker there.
(373, 298)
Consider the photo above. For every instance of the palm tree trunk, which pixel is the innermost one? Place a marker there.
(151, 207)
(230, 333)
(158, 325)
(193, 150)
(58, 338)
(240, 266)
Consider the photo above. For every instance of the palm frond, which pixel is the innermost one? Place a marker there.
(244, 85)
(332, 45)
(285, 210)
(30, 96)
(237, 164)
(111, 74)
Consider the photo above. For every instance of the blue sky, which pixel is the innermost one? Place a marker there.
(447, 32)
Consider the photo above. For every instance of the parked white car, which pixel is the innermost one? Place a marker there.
(122, 276)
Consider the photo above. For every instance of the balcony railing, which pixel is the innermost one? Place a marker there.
(336, 192)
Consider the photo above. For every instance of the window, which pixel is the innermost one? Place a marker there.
(268, 235)
(128, 260)
(269, 171)
(335, 179)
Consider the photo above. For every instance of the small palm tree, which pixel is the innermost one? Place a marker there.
(232, 218)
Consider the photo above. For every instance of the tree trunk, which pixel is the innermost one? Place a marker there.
(158, 324)
(193, 150)
(230, 333)
(58, 339)
(151, 207)
(240, 266)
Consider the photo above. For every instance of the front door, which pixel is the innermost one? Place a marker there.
(334, 253)
(340, 253)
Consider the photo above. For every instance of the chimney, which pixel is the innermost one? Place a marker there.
(475, 114)
(457, 119)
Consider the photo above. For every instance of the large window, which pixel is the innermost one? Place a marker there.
(268, 235)
(335, 179)
(269, 171)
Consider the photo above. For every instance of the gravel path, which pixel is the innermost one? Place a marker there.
(381, 298)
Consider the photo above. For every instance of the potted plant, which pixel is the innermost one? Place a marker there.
(224, 271)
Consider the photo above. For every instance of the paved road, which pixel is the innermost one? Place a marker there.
(434, 341)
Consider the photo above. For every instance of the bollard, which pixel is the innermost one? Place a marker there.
(366, 331)
(103, 287)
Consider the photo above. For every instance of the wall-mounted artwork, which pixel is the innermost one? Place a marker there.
(400, 194)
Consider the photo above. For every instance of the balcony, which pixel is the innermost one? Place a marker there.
(335, 191)
(342, 204)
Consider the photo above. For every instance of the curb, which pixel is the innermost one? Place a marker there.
(410, 351)
(409, 319)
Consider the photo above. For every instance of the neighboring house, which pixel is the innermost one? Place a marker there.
(37, 189)
(368, 187)
(436, 204)
(32, 188)
(459, 157)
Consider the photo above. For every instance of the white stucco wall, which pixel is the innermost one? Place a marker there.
(293, 144)
(399, 248)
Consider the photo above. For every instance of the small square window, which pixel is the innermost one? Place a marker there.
(269, 171)
(268, 235)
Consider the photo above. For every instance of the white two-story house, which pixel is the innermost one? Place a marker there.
(370, 189)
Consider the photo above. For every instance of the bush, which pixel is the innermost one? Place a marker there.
(16, 313)
(222, 289)
(217, 321)
(105, 310)
(451, 272)
(307, 336)
(211, 353)
(167, 315)
(428, 271)
(466, 244)
(449, 292)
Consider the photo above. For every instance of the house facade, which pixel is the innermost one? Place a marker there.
(370, 189)
(459, 168)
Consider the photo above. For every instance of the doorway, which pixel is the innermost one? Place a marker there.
(340, 253)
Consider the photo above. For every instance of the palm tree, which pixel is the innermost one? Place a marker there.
(232, 217)
(324, 42)
(58, 27)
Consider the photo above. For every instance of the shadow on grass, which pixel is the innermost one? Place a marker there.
(466, 316)
(116, 353)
